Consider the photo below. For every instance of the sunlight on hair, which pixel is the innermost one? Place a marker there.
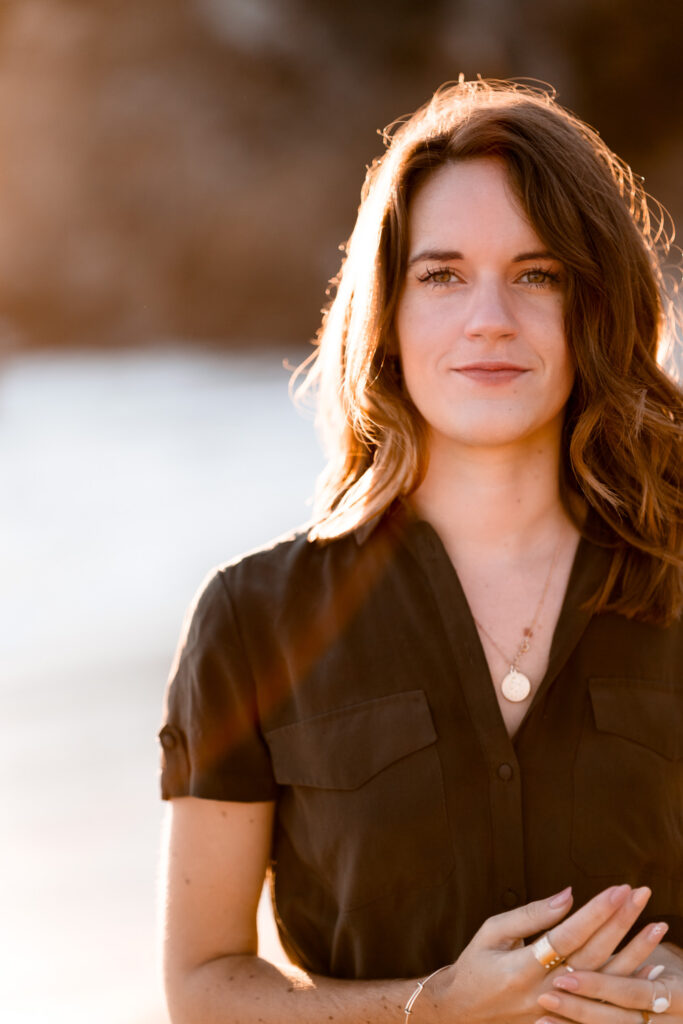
(622, 320)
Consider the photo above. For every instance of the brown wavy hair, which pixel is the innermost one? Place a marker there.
(622, 432)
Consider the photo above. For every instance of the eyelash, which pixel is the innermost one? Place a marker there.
(549, 277)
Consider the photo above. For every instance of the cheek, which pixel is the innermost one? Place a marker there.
(420, 327)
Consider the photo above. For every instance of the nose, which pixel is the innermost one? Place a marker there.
(489, 316)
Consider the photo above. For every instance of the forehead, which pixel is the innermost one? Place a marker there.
(471, 199)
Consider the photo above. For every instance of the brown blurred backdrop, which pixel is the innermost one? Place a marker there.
(188, 168)
(183, 172)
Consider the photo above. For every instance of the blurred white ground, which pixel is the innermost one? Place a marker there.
(124, 477)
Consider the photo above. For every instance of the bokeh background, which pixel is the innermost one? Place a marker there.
(176, 177)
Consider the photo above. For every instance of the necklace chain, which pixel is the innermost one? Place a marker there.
(528, 632)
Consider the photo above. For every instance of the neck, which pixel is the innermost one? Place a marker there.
(493, 501)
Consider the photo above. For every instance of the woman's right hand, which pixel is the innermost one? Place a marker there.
(497, 979)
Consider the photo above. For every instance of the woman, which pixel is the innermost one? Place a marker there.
(460, 690)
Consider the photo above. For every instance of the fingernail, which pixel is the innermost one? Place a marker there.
(641, 896)
(618, 893)
(545, 1020)
(550, 1001)
(566, 982)
(656, 971)
(560, 898)
(657, 930)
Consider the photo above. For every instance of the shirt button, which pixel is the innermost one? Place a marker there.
(505, 772)
(510, 899)
(168, 740)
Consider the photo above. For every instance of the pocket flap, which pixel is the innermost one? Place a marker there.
(344, 748)
(646, 712)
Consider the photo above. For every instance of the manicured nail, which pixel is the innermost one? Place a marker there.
(567, 982)
(550, 1001)
(618, 894)
(657, 930)
(656, 971)
(641, 896)
(560, 898)
(545, 1020)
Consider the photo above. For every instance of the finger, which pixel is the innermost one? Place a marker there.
(598, 948)
(573, 933)
(628, 993)
(650, 971)
(504, 930)
(629, 959)
(587, 1011)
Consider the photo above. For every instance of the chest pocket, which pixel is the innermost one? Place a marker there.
(362, 803)
(628, 781)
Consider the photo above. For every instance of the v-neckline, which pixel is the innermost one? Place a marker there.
(466, 644)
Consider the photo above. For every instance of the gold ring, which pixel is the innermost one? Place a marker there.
(545, 954)
(647, 1018)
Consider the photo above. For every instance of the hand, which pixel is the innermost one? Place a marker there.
(618, 996)
(498, 979)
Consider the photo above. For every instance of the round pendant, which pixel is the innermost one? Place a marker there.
(515, 687)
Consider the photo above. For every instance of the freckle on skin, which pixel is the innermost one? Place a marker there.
(187, 881)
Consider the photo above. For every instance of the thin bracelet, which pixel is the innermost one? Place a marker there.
(420, 985)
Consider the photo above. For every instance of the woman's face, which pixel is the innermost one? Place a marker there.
(480, 317)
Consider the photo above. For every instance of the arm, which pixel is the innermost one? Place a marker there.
(217, 853)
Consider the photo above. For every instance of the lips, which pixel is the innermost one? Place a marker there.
(490, 372)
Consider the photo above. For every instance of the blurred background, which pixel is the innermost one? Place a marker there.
(176, 177)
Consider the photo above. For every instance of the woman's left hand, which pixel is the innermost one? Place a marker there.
(613, 996)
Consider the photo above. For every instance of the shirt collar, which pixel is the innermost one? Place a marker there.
(366, 529)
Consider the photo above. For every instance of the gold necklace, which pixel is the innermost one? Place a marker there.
(516, 686)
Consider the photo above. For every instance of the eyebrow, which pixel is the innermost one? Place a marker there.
(453, 254)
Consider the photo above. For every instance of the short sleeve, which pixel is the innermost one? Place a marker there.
(211, 743)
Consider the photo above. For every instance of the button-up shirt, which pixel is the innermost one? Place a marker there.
(347, 682)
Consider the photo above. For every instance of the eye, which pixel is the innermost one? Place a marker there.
(439, 276)
(537, 277)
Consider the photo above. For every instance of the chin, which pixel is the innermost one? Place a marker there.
(491, 434)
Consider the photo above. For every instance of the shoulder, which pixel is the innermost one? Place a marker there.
(282, 566)
(630, 649)
(274, 561)
(292, 560)
(293, 578)
(286, 568)
(238, 604)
